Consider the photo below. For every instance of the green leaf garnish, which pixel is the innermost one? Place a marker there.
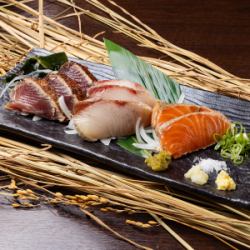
(53, 62)
(127, 144)
(128, 66)
(235, 144)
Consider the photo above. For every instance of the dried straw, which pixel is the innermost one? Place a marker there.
(29, 163)
(185, 66)
(19, 34)
(41, 31)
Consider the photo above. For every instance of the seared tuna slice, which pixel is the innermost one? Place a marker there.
(98, 119)
(34, 96)
(78, 73)
(64, 86)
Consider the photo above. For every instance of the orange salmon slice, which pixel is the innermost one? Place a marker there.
(165, 112)
(191, 132)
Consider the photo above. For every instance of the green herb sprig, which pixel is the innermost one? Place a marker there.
(235, 144)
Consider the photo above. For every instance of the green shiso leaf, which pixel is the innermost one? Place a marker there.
(128, 66)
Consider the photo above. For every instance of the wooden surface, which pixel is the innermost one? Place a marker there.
(218, 30)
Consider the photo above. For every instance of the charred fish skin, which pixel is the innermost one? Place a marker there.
(92, 122)
(77, 73)
(34, 96)
(66, 87)
(58, 83)
(41, 95)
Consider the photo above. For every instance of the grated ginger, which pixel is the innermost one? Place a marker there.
(224, 181)
(197, 175)
(159, 162)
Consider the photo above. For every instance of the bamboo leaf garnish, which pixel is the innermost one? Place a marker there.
(128, 66)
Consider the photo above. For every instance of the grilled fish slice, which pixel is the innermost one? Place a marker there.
(77, 73)
(191, 132)
(122, 93)
(64, 86)
(34, 96)
(98, 119)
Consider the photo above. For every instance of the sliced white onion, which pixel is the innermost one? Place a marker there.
(11, 84)
(137, 130)
(37, 72)
(18, 78)
(64, 107)
(181, 98)
(36, 118)
(145, 137)
(70, 131)
(106, 141)
(70, 128)
(71, 125)
(24, 113)
(155, 136)
(144, 140)
(149, 130)
(147, 146)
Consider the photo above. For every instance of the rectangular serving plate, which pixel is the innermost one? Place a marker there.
(115, 157)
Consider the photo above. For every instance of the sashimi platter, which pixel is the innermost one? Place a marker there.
(132, 118)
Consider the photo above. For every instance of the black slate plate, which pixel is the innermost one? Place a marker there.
(52, 132)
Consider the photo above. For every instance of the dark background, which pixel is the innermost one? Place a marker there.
(217, 30)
